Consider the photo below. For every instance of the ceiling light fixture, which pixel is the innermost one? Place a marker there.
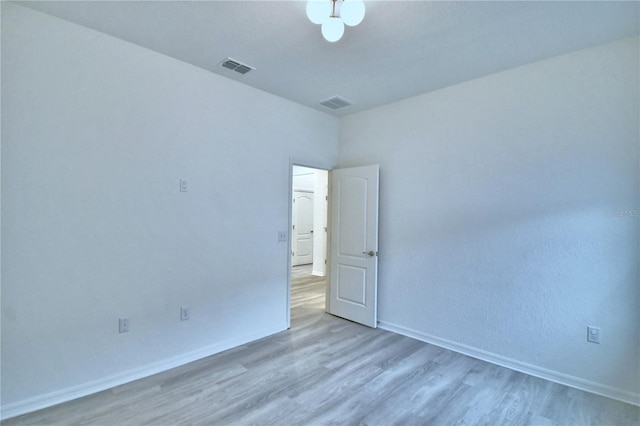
(333, 15)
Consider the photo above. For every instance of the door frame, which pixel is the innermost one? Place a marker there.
(312, 165)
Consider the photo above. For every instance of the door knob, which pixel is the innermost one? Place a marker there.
(369, 253)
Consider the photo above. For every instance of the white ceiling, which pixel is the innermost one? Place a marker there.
(401, 49)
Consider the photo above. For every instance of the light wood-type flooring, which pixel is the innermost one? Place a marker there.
(326, 370)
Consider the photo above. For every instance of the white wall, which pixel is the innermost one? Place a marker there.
(303, 178)
(495, 236)
(96, 134)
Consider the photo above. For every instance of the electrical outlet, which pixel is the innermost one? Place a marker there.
(123, 325)
(185, 313)
(282, 236)
(593, 334)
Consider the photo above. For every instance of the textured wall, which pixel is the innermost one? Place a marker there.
(496, 229)
(96, 135)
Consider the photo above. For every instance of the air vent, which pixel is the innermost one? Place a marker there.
(336, 102)
(236, 66)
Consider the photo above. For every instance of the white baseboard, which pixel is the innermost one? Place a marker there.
(532, 370)
(64, 395)
(318, 273)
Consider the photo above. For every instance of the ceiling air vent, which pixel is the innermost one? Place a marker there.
(237, 66)
(336, 102)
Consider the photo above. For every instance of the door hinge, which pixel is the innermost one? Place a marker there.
(325, 229)
(294, 227)
(326, 198)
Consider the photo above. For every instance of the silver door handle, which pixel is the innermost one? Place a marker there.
(369, 253)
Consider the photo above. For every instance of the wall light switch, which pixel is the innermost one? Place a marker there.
(185, 313)
(183, 186)
(593, 334)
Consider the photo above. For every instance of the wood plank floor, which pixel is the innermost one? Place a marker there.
(326, 370)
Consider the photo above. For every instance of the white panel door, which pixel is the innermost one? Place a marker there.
(302, 232)
(353, 292)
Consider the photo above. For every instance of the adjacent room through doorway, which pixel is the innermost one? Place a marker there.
(308, 235)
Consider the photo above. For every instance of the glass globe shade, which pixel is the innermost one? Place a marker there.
(318, 11)
(332, 29)
(352, 12)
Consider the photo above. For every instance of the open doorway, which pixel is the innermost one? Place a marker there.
(308, 240)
